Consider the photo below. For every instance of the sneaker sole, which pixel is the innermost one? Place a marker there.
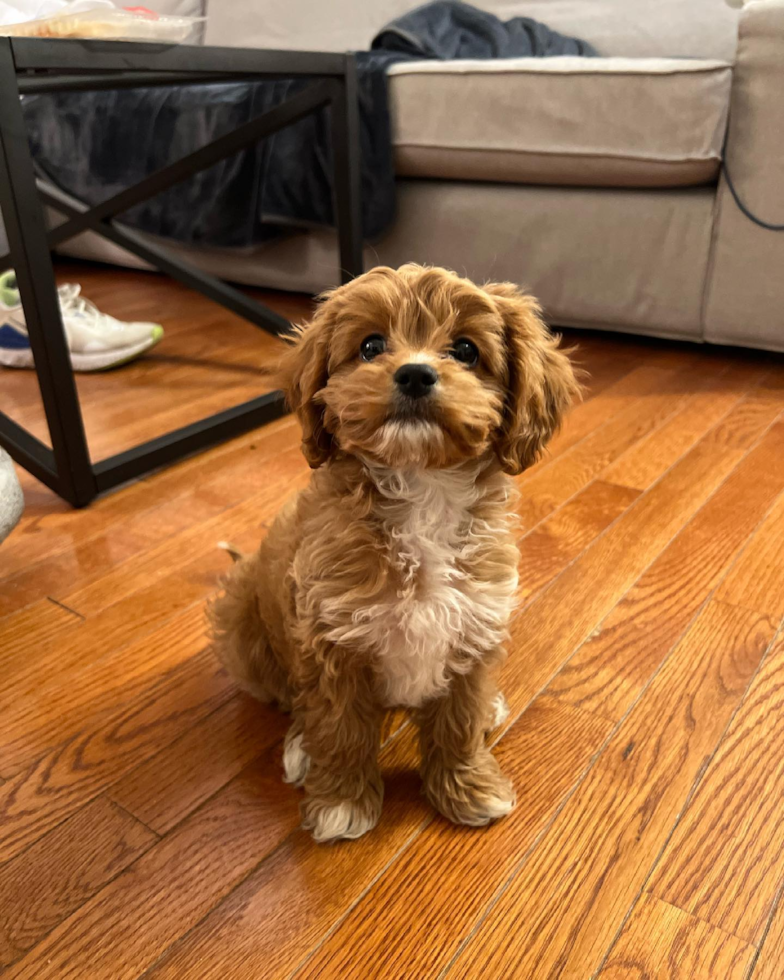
(85, 363)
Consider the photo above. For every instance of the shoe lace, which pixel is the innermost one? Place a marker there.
(72, 303)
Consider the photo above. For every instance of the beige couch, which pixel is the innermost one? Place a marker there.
(596, 183)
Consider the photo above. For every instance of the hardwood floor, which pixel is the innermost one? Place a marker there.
(145, 830)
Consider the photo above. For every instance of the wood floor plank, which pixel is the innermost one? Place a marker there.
(587, 870)
(643, 464)
(548, 549)
(749, 419)
(55, 876)
(725, 861)
(93, 555)
(553, 484)
(31, 723)
(608, 671)
(122, 930)
(107, 658)
(756, 581)
(158, 562)
(133, 599)
(589, 415)
(550, 629)
(660, 942)
(50, 526)
(331, 872)
(221, 370)
(48, 621)
(293, 916)
(170, 785)
(768, 965)
(410, 918)
(209, 400)
(70, 775)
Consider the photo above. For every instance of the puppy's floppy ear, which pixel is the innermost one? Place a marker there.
(302, 373)
(541, 382)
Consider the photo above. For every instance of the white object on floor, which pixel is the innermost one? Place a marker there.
(96, 341)
(11, 499)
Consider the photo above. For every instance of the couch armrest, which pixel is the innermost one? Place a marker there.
(745, 288)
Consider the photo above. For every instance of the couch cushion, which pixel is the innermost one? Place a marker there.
(619, 122)
(629, 28)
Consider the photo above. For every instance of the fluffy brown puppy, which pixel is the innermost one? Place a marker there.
(390, 580)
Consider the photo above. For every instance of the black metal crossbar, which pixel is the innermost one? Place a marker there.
(28, 66)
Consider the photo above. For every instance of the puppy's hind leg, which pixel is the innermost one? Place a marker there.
(241, 637)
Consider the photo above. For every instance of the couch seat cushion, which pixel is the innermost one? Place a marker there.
(618, 122)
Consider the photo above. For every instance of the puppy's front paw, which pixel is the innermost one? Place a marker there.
(348, 819)
(499, 711)
(474, 794)
(296, 760)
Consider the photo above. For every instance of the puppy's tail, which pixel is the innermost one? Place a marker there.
(235, 553)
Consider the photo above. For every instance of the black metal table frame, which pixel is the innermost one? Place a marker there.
(28, 66)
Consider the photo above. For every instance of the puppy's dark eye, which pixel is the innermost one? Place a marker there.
(465, 352)
(372, 346)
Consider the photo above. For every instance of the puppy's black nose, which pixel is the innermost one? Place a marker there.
(415, 380)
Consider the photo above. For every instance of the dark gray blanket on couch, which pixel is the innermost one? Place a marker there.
(92, 145)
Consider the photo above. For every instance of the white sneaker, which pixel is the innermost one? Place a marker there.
(96, 341)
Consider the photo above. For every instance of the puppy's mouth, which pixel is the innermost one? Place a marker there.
(413, 411)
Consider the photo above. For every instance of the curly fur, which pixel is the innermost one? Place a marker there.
(390, 580)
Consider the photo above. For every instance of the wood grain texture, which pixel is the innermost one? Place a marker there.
(70, 775)
(145, 591)
(30, 723)
(551, 628)
(725, 861)
(743, 426)
(48, 621)
(271, 921)
(166, 788)
(771, 957)
(49, 528)
(651, 545)
(575, 889)
(197, 543)
(122, 930)
(100, 547)
(592, 413)
(756, 581)
(714, 397)
(609, 670)
(550, 547)
(87, 851)
(660, 942)
(553, 484)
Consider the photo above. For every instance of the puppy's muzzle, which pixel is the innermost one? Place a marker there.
(415, 380)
